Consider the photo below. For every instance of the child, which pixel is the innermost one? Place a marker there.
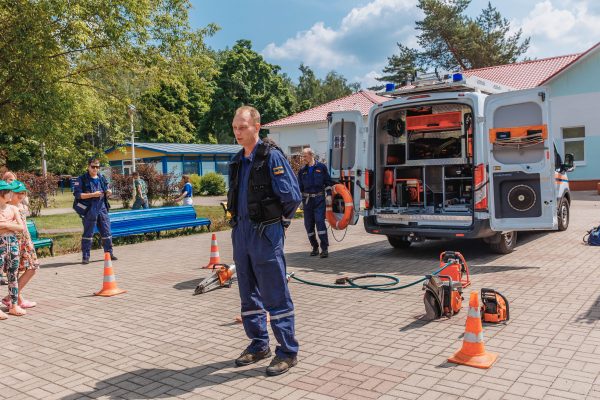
(28, 262)
(10, 225)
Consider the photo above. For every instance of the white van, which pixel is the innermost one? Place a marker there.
(446, 160)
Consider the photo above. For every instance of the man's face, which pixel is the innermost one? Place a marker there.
(93, 168)
(308, 158)
(245, 129)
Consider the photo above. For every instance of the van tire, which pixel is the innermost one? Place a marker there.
(563, 214)
(506, 244)
(398, 242)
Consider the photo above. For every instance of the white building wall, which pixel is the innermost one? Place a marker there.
(315, 135)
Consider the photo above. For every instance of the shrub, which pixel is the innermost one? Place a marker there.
(153, 180)
(195, 180)
(168, 189)
(40, 189)
(212, 184)
(123, 188)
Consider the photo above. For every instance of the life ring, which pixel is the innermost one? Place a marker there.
(338, 220)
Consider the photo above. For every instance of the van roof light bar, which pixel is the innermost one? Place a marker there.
(448, 82)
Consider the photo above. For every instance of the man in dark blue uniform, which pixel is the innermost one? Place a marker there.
(91, 191)
(315, 184)
(262, 199)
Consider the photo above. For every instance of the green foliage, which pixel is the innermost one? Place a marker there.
(153, 179)
(212, 184)
(245, 78)
(452, 40)
(312, 91)
(195, 180)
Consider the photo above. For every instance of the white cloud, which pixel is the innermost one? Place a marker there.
(558, 28)
(369, 79)
(366, 35)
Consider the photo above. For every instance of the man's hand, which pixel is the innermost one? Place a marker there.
(328, 200)
(97, 193)
(108, 192)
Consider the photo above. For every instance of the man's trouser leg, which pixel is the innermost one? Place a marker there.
(104, 229)
(254, 315)
(268, 263)
(309, 223)
(320, 222)
(89, 221)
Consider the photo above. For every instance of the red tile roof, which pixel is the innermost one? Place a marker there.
(523, 75)
(362, 101)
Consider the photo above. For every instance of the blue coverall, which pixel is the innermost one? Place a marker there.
(260, 262)
(315, 184)
(96, 215)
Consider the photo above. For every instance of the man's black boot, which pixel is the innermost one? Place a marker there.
(85, 261)
(315, 251)
(247, 358)
(280, 366)
(113, 257)
(324, 254)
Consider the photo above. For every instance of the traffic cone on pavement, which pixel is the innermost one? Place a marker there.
(215, 258)
(473, 351)
(109, 286)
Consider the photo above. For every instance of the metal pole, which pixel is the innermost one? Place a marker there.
(44, 167)
(131, 112)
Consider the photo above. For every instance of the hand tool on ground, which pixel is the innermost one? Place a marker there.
(223, 276)
(494, 306)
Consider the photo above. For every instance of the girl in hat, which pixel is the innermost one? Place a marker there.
(10, 225)
(28, 261)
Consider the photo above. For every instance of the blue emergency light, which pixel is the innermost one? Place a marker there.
(457, 77)
(389, 87)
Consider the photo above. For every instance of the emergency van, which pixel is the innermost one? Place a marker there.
(451, 157)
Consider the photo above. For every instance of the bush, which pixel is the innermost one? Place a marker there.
(195, 180)
(122, 186)
(153, 180)
(40, 189)
(168, 189)
(212, 184)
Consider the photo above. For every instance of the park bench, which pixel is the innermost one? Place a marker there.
(134, 222)
(37, 241)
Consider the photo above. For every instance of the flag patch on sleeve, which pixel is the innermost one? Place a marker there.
(278, 170)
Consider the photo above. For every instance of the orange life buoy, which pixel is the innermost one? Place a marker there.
(338, 220)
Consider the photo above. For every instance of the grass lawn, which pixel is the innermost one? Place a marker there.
(71, 242)
(65, 200)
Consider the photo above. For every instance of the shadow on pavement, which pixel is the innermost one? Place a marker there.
(159, 383)
(419, 259)
(592, 314)
(188, 285)
(66, 264)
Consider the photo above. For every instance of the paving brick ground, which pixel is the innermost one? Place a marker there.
(158, 341)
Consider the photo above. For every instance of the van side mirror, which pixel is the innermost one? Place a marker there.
(569, 163)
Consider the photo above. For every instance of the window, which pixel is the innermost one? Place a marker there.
(574, 139)
(190, 166)
(298, 149)
(208, 164)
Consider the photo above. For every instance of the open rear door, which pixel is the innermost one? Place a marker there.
(347, 154)
(521, 161)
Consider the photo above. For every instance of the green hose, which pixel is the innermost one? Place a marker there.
(379, 287)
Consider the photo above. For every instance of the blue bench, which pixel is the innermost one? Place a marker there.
(37, 241)
(134, 222)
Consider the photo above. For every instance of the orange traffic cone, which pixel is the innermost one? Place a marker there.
(473, 351)
(109, 286)
(215, 258)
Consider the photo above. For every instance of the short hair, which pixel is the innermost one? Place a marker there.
(93, 159)
(254, 114)
(185, 177)
(135, 173)
(4, 192)
(309, 151)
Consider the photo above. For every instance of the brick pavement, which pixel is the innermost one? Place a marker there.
(158, 341)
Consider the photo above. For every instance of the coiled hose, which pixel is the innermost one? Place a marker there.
(350, 283)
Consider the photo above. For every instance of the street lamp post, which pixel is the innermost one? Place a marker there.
(131, 112)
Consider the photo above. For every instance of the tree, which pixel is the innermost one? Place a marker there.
(312, 91)
(246, 78)
(68, 70)
(452, 40)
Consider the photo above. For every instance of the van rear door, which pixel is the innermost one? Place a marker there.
(348, 152)
(521, 161)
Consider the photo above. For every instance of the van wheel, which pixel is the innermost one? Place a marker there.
(563, 215)
(398, 242)
(506, 244)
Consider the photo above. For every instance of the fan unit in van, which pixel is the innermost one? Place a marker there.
(517, 195)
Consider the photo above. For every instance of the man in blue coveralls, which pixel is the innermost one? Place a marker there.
(91, 191)
(262, 199)
(315, 185)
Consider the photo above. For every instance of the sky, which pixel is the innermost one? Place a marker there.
(355, 37)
